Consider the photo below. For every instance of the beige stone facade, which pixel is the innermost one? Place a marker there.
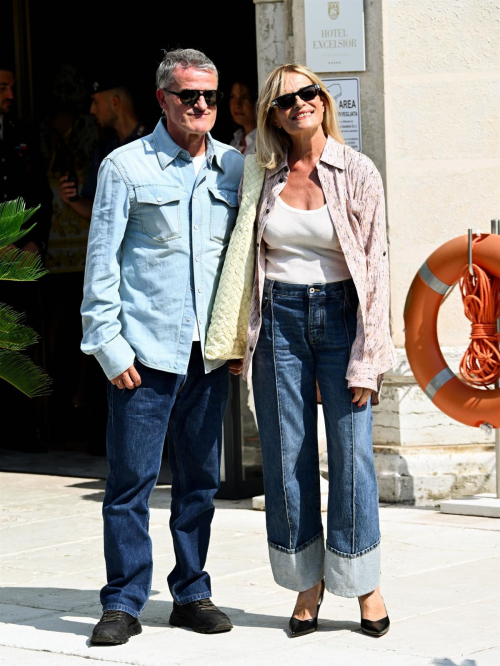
(430, 105)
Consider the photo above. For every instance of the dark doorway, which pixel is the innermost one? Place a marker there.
(90, 39)
(131, 37)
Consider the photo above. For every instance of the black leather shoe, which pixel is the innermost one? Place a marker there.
(375, 628)
(115, 628)
(201, 616)
(303, 627)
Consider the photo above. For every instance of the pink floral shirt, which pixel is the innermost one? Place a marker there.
(355, 197)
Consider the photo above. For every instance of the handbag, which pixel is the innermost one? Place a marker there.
(227, 333)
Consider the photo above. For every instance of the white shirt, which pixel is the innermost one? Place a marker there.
(198, 162)
(250, 146)
(302, 246)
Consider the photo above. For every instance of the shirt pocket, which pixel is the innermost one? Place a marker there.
(160, 212)
(223, 211)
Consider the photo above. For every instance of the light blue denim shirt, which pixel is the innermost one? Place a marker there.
(156, 247)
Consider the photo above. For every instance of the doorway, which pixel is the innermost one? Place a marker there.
(66, 49)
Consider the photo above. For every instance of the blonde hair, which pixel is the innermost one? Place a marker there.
(272, 142)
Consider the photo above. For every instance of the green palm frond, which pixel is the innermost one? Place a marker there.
(21, 266)
(12, 217)
(13, 334)
(21, 372)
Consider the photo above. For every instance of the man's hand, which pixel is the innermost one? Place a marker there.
(82, 206)
(129, 379)
(236, 366)
(361, 395)
(67, 190)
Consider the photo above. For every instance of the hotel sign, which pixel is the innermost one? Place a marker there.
(335, 35)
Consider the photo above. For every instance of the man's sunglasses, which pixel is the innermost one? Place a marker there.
(306, 94)
(191, 97)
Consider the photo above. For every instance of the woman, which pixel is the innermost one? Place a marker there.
(319, 313)
(242, 109)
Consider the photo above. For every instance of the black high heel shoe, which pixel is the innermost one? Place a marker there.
(303, 627)
(374, 628)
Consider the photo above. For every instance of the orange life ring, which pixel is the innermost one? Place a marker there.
(464, 403)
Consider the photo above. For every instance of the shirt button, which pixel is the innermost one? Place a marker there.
(267, 211)
(188, 318)
(251, 348)
(199, 290)
(197, 259)
(159, 199)
(384, 253)
(280, 180)
(196, 227)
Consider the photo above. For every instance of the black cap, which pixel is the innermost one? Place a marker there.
(107, 81)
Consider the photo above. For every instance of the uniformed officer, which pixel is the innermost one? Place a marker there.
(113, 107)
(21, 170)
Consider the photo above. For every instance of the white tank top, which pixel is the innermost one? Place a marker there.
(303, 247)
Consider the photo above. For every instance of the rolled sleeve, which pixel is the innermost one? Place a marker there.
(101, 298)
(116, 357)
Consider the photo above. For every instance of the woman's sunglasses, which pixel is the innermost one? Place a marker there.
(191, 97)
(306, 94)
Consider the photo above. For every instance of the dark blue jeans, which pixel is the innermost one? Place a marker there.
(307, 333)
(191, 408)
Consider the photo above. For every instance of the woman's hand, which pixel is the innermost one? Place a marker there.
(361, 395)
(236, 366)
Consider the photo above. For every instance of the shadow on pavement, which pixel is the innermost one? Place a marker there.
(160, 498)
(82, 603)
(449, 662)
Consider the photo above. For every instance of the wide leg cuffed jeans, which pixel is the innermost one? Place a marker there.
(307, 333)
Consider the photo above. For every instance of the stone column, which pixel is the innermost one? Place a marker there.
(442, 173)
(270, 23)
(430, 121)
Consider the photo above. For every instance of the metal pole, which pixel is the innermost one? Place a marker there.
(495, 229)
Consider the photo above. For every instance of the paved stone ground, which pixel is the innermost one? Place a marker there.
(441, 578)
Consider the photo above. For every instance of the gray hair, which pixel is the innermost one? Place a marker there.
(181, 58)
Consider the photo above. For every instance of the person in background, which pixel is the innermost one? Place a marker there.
(68, 142)
(242, 109)
(21, 169)
(22, 175)
(113, 107)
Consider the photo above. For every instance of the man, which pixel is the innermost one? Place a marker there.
(163, 213)
(22, 175)
(113, 107)
(21, 171)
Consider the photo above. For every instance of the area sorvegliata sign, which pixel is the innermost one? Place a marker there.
(335, 35)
